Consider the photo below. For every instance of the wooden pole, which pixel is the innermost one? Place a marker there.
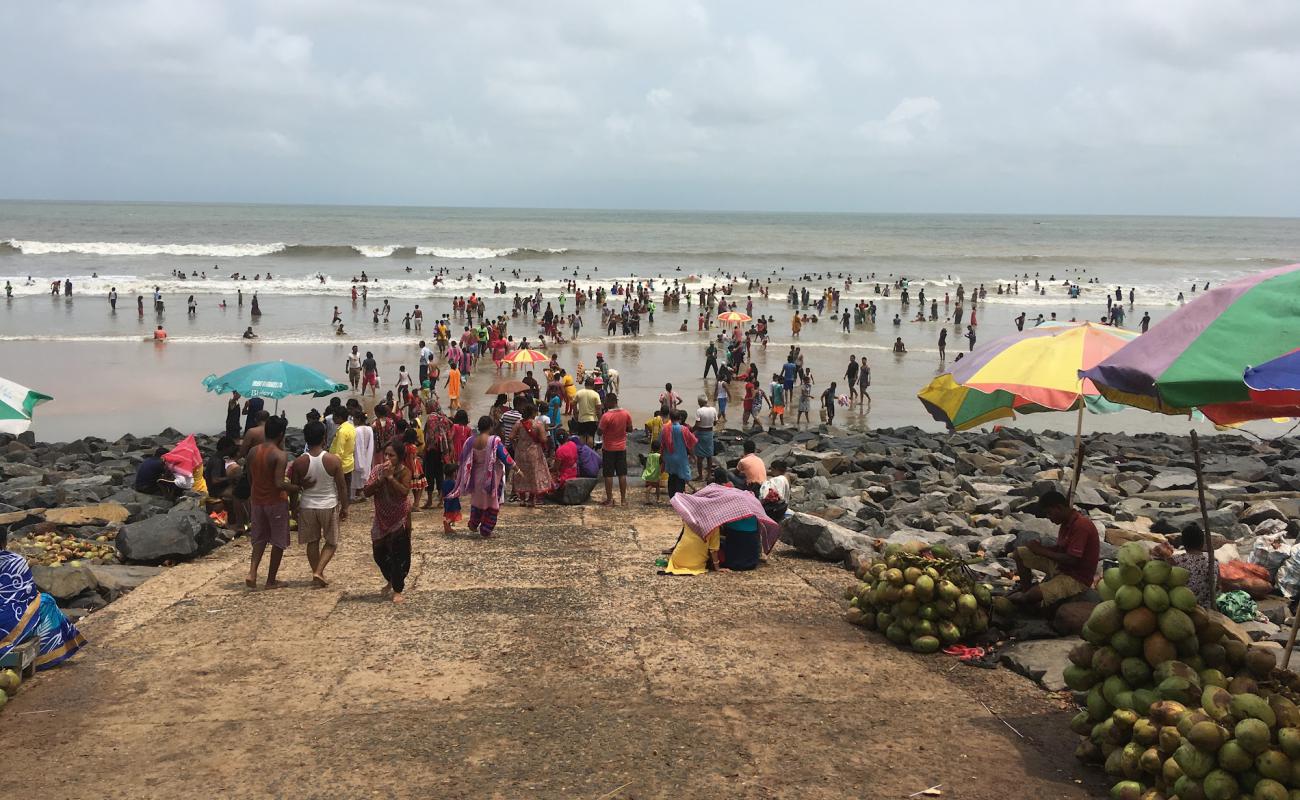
(1078, 453)
(1205, 514)
(1290, 640)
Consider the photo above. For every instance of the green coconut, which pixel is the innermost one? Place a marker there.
(1252, 735)
(1131, 554)
(1080, 724)
(1150, 761)
(1212, 677)
(1182, 598)
(1081, 679)
(1136, 671)
(1111, 577)
(1098, 708)
(1176, 625)
(1128, 597)
(1260, 661)
(1243, 684)
(1219, 785)
(925, 644)
(1081, 654)
(1155, 572)
(1143, 699)
(1194, 763)
(1269, 789)
(1126, 644)
(925, 588)
(1176, 688)
(1130, 575)
(1112, 686)
(1167, 712)
(1252, 706)
(1105, 591)
(1216, 702)
(1289, 740)
(1207, 736)
(1234, 757)
(1145, 732)
(1273, 764)
(1178, 576)
(1155, 598)
(1104, 619)
(1127, 790)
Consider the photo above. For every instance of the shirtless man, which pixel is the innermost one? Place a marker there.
(270, 502)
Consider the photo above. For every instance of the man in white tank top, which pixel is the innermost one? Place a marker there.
(323, 504)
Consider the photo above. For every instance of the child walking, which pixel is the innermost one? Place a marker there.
(450, 505)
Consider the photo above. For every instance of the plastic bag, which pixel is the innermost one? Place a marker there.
(1288, 575)
(1237, 606)
(1270, 551)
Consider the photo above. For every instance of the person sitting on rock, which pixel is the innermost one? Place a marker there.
(1070, 565)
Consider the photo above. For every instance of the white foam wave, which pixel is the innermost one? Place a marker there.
(36, 248)
(481, 253)
(375, 250)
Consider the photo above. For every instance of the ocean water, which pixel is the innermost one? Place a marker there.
(302, 261)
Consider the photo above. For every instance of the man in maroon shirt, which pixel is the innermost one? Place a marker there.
(1070, 565)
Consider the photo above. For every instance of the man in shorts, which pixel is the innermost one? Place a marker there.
(322, 506)
(587, 401)
(615, 424)
(1070, 565)
(426, 356)
(270, 502)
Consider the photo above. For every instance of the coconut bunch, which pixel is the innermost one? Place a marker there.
(919, 596)
(1174, 708)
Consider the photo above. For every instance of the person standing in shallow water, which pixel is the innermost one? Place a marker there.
(390, 534)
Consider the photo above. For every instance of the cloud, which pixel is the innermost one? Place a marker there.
(1160, 106)
(911, 119)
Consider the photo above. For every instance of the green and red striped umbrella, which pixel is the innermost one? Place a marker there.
(1196, 357)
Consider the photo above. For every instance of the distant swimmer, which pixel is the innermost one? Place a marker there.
(159, 334)
(248, 333)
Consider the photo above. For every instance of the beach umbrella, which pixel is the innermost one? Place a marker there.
(508, 386)
(1275, 383)
(1197, 357)
(274, 379)
(734, 316)
(527, 357)
(1025, 372)
(16, 405)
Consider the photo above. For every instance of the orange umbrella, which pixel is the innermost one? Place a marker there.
(734, 316)
(527, 357)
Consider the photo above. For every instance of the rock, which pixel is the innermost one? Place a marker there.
(1088, 497)
(1260, 511)
(20, 517)
(577, 491)
(63, 582)
(1121, 536)
(1259, 631)
(1173, 480)
(913, 535)
(1043, 661)
(1028, 628)
(100, 514)
(818, 537)
(183, 533)
(122, 577)
(1275, 609)
(1230, 628)
(998, 545)
(1071, 615)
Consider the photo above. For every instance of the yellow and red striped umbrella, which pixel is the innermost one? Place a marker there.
(734, 316)
(527, 357)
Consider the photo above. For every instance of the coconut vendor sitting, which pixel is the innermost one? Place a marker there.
(1070, 565)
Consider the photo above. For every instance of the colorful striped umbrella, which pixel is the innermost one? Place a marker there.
(1197, 356)
(527, 357)
(16, 405)
(1024, 372)
(734, 316)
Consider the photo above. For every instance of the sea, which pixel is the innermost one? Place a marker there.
(302, 261)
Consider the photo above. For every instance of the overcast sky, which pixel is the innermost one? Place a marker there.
(1140, 106)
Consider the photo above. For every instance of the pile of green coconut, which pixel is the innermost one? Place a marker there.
(1173, 707)
(919, 596)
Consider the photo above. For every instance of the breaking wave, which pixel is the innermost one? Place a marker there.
(244, 250)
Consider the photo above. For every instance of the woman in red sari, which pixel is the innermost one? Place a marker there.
(528, 440)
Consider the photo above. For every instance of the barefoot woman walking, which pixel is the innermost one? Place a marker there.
(483, 461)
(390, 535)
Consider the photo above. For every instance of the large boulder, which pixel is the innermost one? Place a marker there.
(577, 491)
(183, 533)
(63, 582)
(822, 538)
(100, 514)
(1043, 661)
(122, 577)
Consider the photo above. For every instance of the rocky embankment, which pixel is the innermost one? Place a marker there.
(88, 535)
(976, 493)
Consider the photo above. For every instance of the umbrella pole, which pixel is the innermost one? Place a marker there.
(1290, 640)
(1078, 453)
(1200, 494)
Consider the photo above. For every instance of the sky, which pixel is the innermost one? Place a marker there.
(1150, 107)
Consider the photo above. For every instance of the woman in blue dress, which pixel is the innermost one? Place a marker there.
(26, 613)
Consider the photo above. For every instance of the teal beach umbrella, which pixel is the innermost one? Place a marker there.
(274, 379)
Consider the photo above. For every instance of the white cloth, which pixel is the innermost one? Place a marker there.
(322, 494)
(363, 455)
(777, 483)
